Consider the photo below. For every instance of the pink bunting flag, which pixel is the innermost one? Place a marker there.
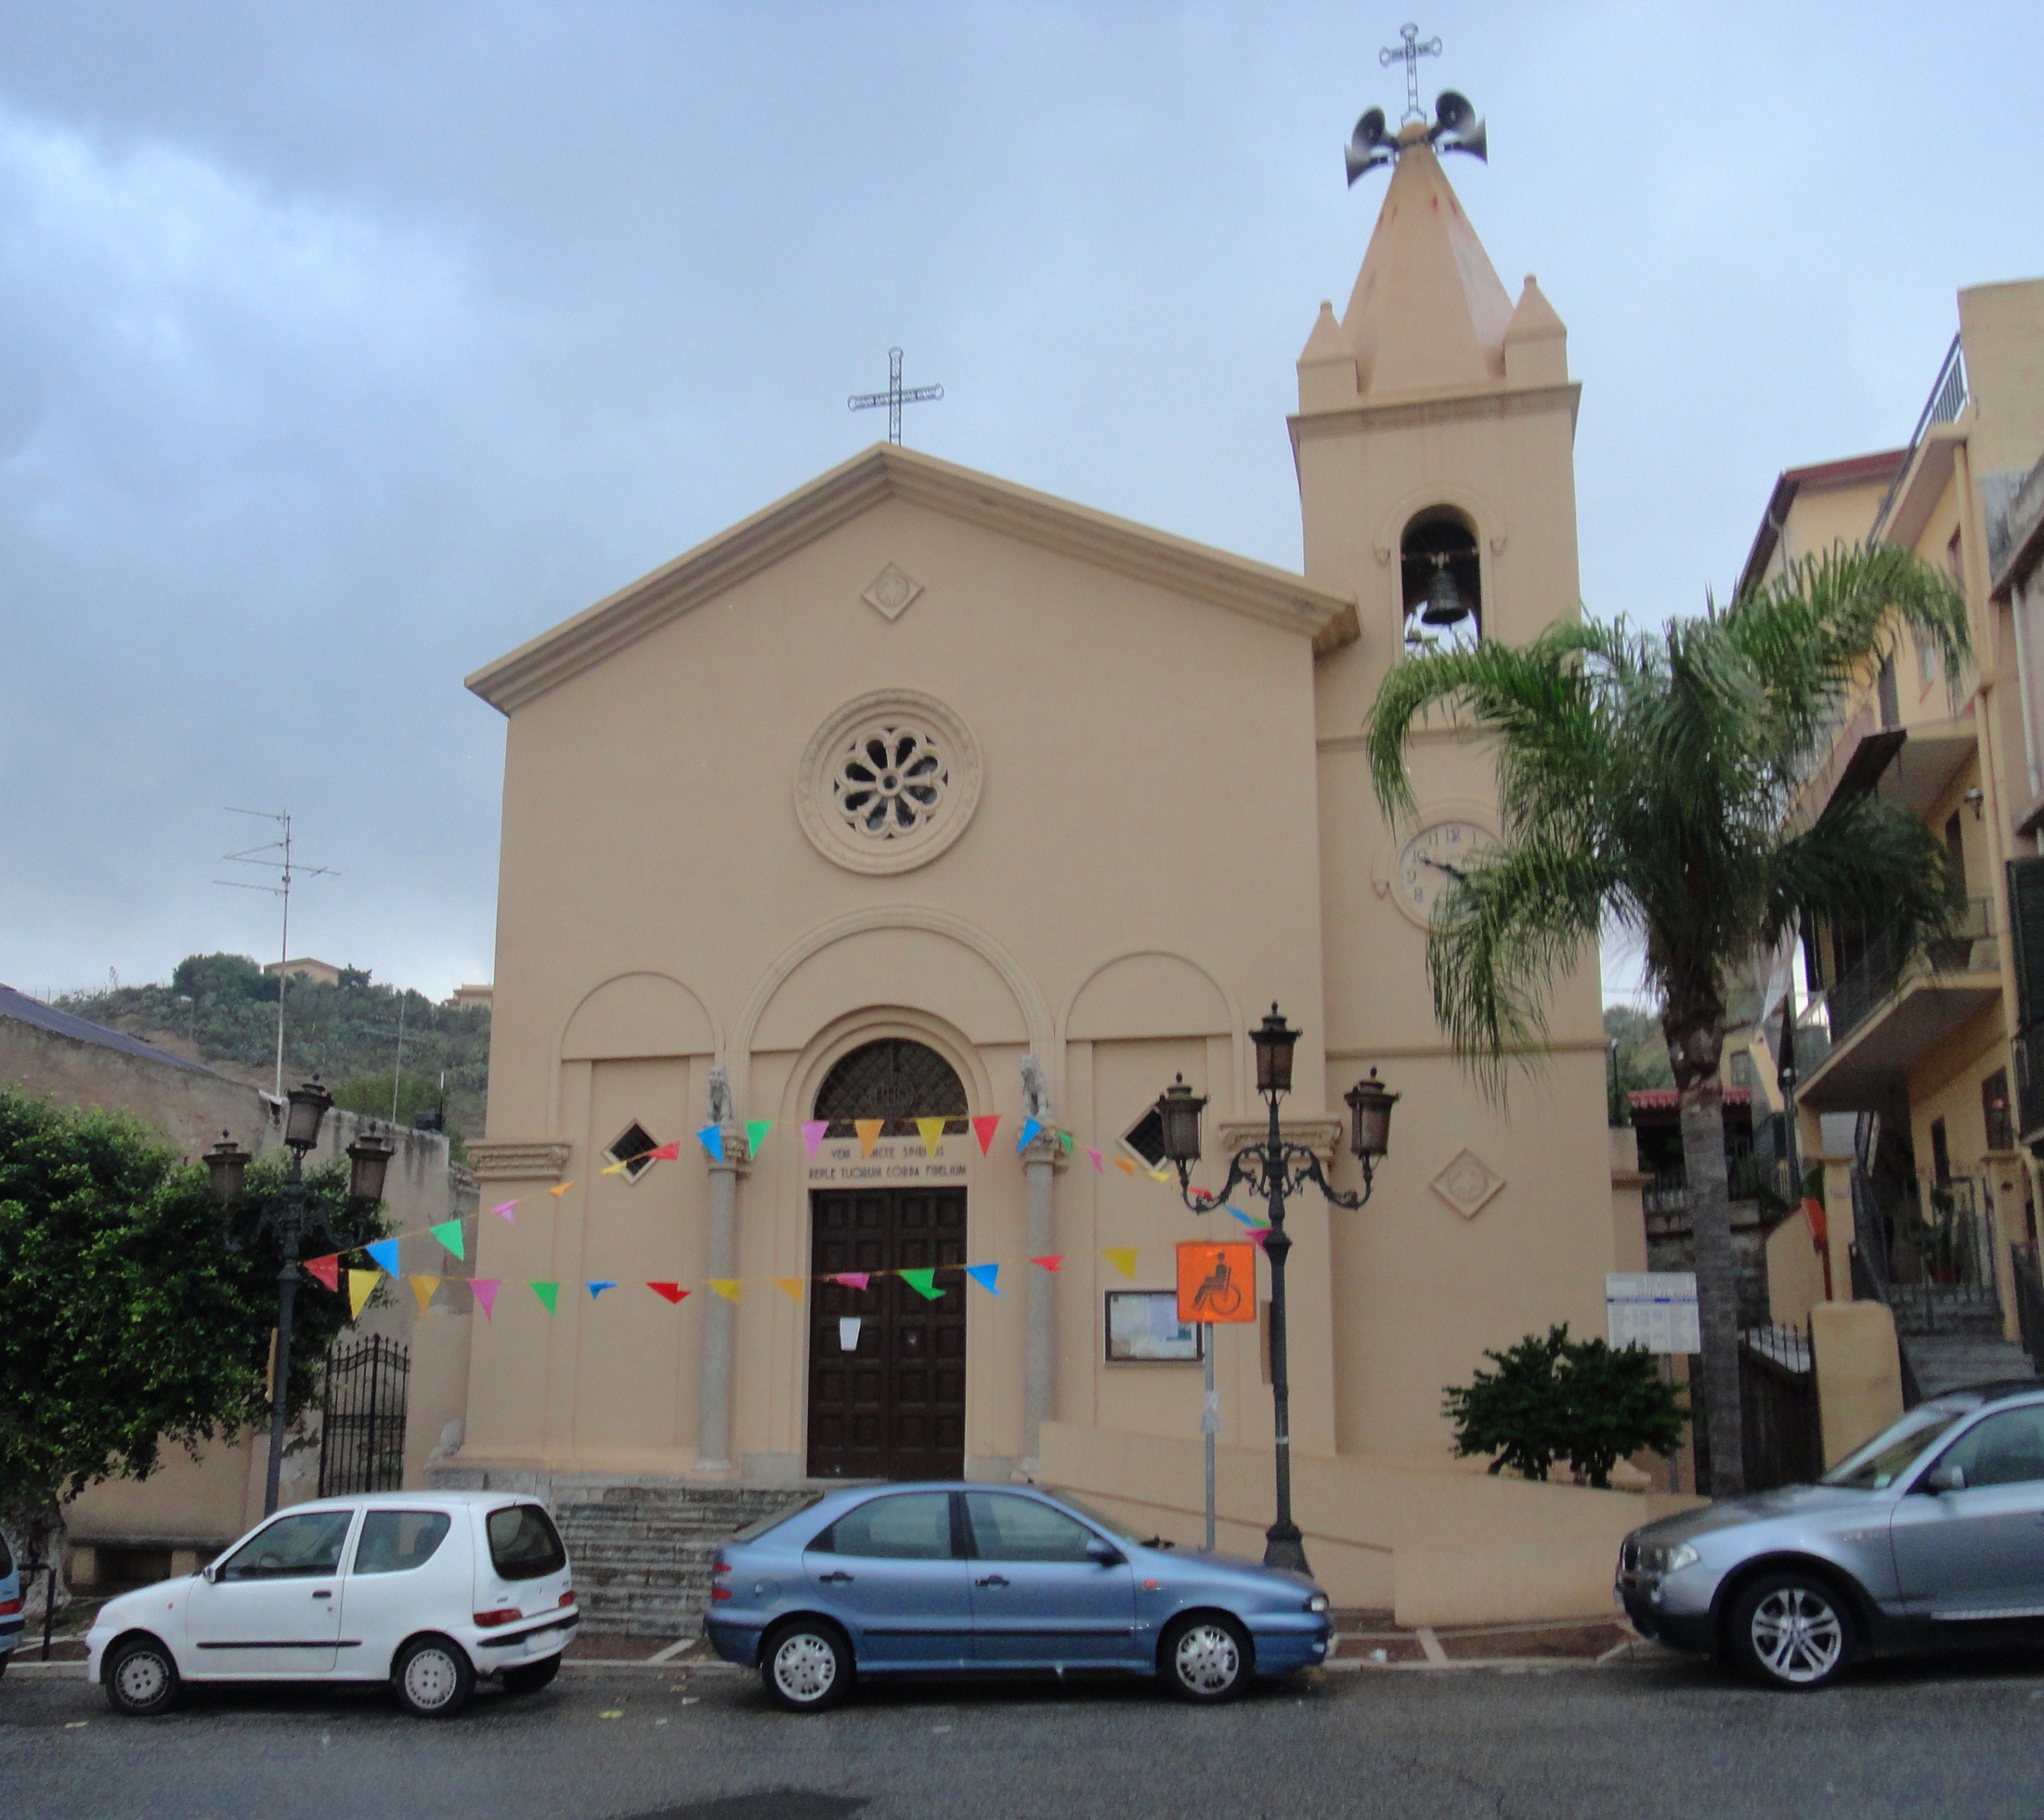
(853, 1279)
(813, 1134)
(504, 1208)
(984, 1129)
(1260, 1235)
(486, 1290)
(327, 1269)
(1099, 1162)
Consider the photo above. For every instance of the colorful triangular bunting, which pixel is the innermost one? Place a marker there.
(869, 1134)
(669, 1152)
(984, 1275)
(669, 1292)
(1099, 1162)
(504, 1207)
(755, 1135)
(711, 1137)
(1127, 1167)
(1055, 1261)
(549, 1295)
(449, 1233)
(384, 1251)
(559, 1188)
(790, 1286)
(984, 1129)
(924, 1282)
(728, 1287)
(362, 1285)
(1123, 1257)
(813, 1134)
(486, 1290)
(326, 1270)
(1030, 1128)
(1066, 1139)
(853, 1279)
(931, 1133)
(598, 1284)
(422, 1287)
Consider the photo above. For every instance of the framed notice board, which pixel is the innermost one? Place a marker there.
(1144, 1328)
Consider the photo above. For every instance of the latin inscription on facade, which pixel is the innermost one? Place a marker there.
(895, 1162)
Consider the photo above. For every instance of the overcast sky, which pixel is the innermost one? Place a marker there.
(343, 347)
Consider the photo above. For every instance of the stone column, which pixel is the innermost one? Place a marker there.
(1040, 1161)
(720, 1318)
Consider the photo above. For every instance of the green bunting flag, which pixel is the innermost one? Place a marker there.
(449, 1233)
(923, 1282)
(548, 1293)
(755, 1134)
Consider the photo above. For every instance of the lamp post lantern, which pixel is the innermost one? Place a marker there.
(1274, 1170)
(289, 1215)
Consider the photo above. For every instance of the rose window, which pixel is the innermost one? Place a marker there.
(889, 783)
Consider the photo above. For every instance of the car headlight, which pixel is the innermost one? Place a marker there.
(1317, 1603)
(1667, 1560)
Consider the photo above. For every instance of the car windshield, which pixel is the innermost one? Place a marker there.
(1897, 1448)
(1114, 1527)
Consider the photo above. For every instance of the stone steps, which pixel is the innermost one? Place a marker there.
(641, 1553)
(1951, 1361)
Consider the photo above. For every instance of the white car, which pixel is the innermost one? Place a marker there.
(427, 1591)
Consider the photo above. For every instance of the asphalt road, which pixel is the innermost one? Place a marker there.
(1667, 1738)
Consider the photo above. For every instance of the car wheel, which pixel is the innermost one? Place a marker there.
(1206, 1658)
(1790, 1630)
(432, 1677)
(140, 1679)
(806, 1666)
(531, 1676)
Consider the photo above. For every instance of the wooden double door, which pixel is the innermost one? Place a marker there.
(892, 1405)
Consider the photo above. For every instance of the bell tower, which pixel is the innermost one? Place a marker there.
(1435, 446)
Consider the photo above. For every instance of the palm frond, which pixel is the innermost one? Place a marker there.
(1863, 863)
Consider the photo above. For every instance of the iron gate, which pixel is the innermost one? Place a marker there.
(362, 1426)
(1779, 1409)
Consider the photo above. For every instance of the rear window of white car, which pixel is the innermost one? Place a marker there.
(396, 1541)
(523, 1544)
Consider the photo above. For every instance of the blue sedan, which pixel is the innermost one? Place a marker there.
(915, 1578)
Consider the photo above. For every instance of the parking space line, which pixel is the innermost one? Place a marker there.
(1435, 1656)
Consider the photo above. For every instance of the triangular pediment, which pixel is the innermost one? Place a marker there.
(880, 473)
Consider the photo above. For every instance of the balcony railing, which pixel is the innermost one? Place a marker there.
(1946, 400)
(1752, 1177)
(1877, 976)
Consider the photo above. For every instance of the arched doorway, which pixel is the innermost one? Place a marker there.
(886, 1363)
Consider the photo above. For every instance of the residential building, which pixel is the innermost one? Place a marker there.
(322, 972)
(1922, 1058)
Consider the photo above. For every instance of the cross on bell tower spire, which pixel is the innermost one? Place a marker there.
(895, 396)
(1412, 50)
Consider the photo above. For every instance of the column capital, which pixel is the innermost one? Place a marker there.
(737, 1159)
(1045, 1148)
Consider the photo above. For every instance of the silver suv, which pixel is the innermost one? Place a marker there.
(1931, 1534)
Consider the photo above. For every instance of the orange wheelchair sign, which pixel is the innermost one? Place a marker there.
(1217, 1282)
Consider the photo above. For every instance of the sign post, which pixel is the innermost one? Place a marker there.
(1217, 1286)
(1655, 1310)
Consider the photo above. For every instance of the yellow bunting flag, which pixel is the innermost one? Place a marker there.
(615, 1168)
(1123, 1257)
(869, 1134)
(422, 1287)
(726, 1287)
(932, 1134)
(1127, 1167)
(559, 1188)
(792, 1286)
(1160, 1173)
(362, 1285)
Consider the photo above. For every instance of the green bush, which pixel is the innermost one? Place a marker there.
(1557, 1399)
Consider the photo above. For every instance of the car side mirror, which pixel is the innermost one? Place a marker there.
(1105, 1552)
(1950, 1477)
(212, 1571)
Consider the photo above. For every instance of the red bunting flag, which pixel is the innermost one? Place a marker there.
(669, 1292)
(984, 1129)
(669, 1152)
(327, 1269)
(1049, 1263)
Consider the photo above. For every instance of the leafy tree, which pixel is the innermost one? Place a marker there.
(131, 1321)
(371, 1094)
(1557, 1399)
(1639, 1058)
(1646, 780)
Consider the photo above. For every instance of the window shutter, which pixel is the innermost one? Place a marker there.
(2026, 937)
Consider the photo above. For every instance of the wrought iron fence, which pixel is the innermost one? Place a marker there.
(1875, 977)
(2029, 1301)
(362, 1426)
(1783, 1432)
(1751, 1177)
(1946, 400)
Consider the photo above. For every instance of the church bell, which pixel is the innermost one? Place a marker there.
(1445, 605)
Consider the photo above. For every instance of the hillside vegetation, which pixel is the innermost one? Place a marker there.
(222, 1009)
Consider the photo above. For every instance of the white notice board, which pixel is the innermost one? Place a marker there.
(1653, 1309)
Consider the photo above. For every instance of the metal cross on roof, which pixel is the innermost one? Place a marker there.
(895, 396)
(1412, 50)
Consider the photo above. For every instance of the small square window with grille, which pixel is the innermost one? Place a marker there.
(630, 1147)
(1145, 1139)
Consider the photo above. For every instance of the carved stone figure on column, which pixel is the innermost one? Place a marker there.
(1036, 1092)
(722, 1111)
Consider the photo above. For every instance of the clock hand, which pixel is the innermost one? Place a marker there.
(1438, 866)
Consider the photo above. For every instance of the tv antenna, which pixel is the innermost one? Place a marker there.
(275, 857)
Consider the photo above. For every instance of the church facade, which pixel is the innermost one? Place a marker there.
(921, 800)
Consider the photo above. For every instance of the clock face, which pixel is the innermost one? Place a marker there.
(1429, 859)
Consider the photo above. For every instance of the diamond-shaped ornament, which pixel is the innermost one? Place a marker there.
(1467, 1183)
(891, 593)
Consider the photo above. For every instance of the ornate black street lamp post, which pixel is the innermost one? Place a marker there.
(288, 1214)
(1275, 1170)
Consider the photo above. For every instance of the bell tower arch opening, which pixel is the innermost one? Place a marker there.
(1440, 577)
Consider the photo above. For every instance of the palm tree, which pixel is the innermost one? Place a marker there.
(1647, 783)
